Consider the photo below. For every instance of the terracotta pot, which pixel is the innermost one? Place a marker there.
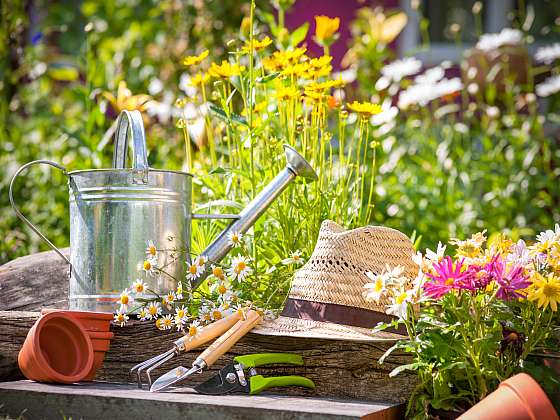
(100, 342)
(56, 349)
(91, 321)
(517, 398)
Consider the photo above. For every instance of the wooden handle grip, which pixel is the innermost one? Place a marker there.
(211, 331)
(226, 341)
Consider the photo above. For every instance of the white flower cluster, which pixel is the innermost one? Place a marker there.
(549, 87)
(507, 36)
(548, 54)
(429, 86)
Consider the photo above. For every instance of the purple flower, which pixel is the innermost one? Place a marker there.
(448, 276)
(509, 280)
(36, 38)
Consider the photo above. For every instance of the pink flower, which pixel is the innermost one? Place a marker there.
(448, 276)
(509, 280)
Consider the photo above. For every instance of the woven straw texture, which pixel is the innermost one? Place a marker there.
(336, 273)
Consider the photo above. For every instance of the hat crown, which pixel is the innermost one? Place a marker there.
(336, 271)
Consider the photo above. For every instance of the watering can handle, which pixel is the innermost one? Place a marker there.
(131, 121)
(22, 217)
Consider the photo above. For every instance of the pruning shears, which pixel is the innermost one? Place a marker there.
(242, 377)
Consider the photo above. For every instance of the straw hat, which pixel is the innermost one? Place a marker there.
(326, 300)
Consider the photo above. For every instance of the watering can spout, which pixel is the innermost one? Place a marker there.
(296, 166)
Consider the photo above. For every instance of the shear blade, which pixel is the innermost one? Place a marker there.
(172, 377)
(219, 384)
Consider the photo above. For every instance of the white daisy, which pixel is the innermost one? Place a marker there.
(202, 260)
(194, 328)
(121, 318)
(549, 87)
(194, 270)
(151, 250)
(430, 76)
(239, 268)
(295, 258)
(166, 322)
(143, 315)
(399, 69)
(549, 235)
(179, 292)
(235, 239)
(399, 304)
(507, 36)
(154, 310)
(548, 53)
(217, 313)
(221, 287)
(218, 272)
(149, 266)
(139, 286)
(125, 300)
(438, 255)
(376, 289)
(205, 313)
(230, 296)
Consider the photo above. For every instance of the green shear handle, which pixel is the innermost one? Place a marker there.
(259, 383)
(260, 359)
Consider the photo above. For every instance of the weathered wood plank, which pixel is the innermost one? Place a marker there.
(340, 369)
(34, 281)
(103, 400)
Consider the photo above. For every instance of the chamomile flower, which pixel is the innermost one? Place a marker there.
(143, 315)
(235, 239)
(399, 304)
(376, 289)
(154, 310)
(159, 324)
(121, 318)
(217, 313)
(194, 328)
(167, 322)
(230, 296)
(201, 260)
(205, 313)
(295, 258)
(181, 312)
(124, 300)
(221, 287)
(149, 266)
(438, 255)
(218, 272)
(151, 250)
(194, 270)
(179, 292)
(239, 269)
(139, 286)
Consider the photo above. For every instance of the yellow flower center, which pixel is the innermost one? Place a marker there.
(240, 267)
(222, 289)
(158, 323)
(147, 265)
(193, 269)
(449, 282)
(193, 330)
(234, 238)
(170, 297)
(401, 298)
(120, 317)
(152, 250)
(124, 299)
(180, 313)
(378, 285)
(207, 317)
(218, 272)
(296, 257)
(139, 288)
(152, 310)
(217, 314)
(550, 290)
(167, 321)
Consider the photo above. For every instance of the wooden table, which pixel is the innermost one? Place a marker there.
(101, 400)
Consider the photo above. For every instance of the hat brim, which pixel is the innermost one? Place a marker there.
(304, 328)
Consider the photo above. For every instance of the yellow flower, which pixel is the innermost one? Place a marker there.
(199, 79)
(546, 291)
(296, 69)
(293, 55)
(470, 247)
(125, 100)
(322, 61)
(365, 109)
(193, 60)
(325, 28)
(272, 63)
(257, 45)
(225, 70)
(286, 93)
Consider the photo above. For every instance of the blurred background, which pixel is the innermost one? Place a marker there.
(486, 159)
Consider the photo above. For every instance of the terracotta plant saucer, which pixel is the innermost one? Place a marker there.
(56, 349)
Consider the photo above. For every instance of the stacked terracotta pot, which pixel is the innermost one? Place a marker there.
(66, 346)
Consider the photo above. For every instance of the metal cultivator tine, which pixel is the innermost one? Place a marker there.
(150, 364)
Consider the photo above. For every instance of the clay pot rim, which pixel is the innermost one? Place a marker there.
(100, 335)
(528, 390)
(81, 314)
(43, 362)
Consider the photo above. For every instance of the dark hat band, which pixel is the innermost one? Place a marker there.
(337, 314)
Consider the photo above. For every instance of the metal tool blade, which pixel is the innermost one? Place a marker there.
(224, 382)
(172, 377)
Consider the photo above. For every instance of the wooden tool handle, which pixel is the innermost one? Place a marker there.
(211, 331)
(226, 341)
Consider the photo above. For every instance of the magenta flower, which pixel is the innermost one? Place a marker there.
(509, 280)
(448, 276)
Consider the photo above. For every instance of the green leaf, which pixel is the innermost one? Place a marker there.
(217, 171)
(233, 117)
(299, 34)
(402, 368)
(268, 77)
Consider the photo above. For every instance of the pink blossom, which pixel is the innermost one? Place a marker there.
(448, 276)
(509, 280)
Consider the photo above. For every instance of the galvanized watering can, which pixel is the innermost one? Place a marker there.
(113, 212)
